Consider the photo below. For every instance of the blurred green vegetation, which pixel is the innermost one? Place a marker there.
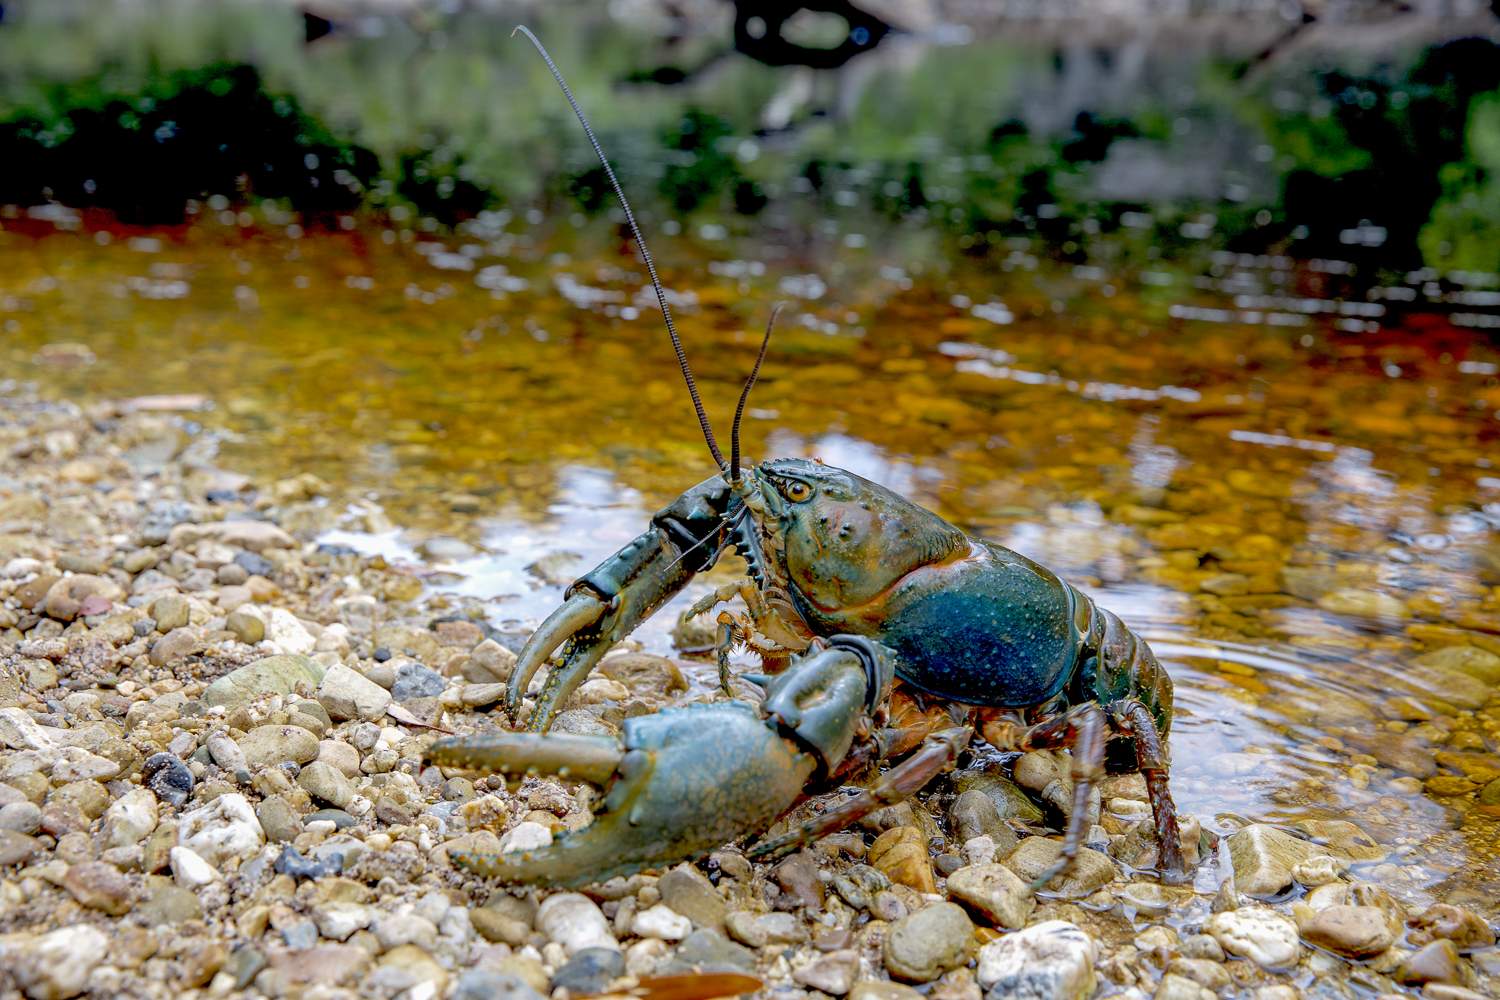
(142, 108)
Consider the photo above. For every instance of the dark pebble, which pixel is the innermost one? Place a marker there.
(221, 496)
(488, 984)
(416, 681)
(168, 777)
(254, 564)
(947, 864)
(335, 550)
(708, 951)
(589, 971)
(161, 518)
(381, 654)
(290, 862)
(143, 627)
(340, 819)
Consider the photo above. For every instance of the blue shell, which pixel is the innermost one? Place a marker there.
(1000, 632)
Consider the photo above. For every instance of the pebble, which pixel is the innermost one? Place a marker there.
(190, 870)
(1463, 927)
(761, 929)
(1052, 960)
(661, 922)
(267, 746)
(576, 922)
(1353, 931)
(1178, 987)
(589, 971)
(170, 612)
(129, 819)
(832, 973)
(56, 965)
(1435, 962)
(994, 892)
(491, 984)
(20, 817)
(920, 947)
(226, 829)
(707, 950)
(690, 893)
(268, 675)
(327, 783)
(99, 886)
(247, 628)
(1036, 855)
(900, 853)
(1263, 858)
(1258, 933)
(527, 836)
(16, 847)
(168, 778)
(349, 695)
(416, 681)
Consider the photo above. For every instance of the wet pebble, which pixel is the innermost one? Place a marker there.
(922, 946)
(994, 892)
(1263, 858)
(1258, 933)
(1353, 931)
(1052, 960)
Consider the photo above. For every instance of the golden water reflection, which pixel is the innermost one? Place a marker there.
(1293, 497)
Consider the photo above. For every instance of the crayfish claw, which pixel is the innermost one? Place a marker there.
(577, 613)
(585, 758)
(680, 783)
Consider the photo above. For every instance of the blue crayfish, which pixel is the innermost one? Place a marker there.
(888, 635)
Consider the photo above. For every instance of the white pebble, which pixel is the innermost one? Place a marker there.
(190, 870)
(574, 921)
(526, 836)
(224, 829)
(663, 922)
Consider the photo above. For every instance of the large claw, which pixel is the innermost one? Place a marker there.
(606, 605)
(686, 780)
(680, 783)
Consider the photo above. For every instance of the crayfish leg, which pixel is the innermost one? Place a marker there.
(1081, 729)
(1151, 760)
(936, 754)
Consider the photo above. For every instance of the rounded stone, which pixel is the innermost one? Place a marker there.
(922, 946)
(267, 746)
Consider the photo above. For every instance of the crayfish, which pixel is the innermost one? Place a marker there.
(888, 635)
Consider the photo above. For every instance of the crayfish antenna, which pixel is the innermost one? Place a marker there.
(739, 410)
(640, 242)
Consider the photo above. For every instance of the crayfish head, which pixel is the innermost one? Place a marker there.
(843, 541)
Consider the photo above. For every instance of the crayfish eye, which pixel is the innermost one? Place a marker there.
(796, 491)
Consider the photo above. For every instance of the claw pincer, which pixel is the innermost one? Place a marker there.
(624, 590)
(684, 781)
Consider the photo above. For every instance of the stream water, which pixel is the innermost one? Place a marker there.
(1292, 494)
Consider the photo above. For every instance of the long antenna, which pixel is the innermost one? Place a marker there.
(739, 411)
(640, 242)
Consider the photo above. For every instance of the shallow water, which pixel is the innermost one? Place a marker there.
(1292, 496)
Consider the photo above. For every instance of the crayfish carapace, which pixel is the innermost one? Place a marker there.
(898, 638)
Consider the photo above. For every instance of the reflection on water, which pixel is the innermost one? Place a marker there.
(1303, 518)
